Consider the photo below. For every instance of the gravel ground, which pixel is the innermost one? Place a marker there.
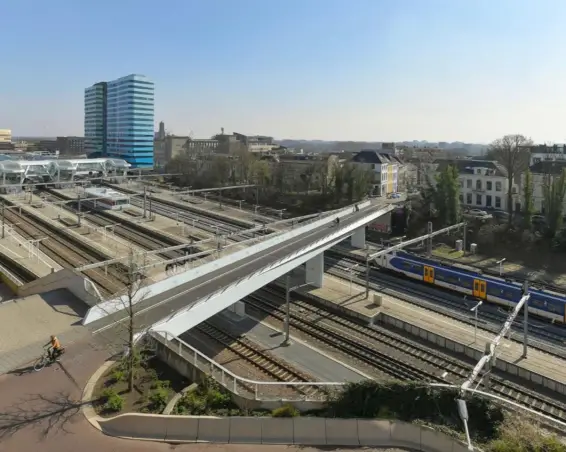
(237, 365)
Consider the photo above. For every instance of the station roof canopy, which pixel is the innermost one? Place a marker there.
(53, 166)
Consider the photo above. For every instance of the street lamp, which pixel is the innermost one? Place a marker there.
(475, 310)
(500, 263)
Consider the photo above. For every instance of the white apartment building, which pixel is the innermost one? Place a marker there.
(546, 153)
(483, 184)
(5, 136)
(386, 168)
(543, 172)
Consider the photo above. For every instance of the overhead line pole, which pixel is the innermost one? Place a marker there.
(429, 236)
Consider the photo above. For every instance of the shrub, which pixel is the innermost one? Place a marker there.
(286, 410)
(409, 401)
(112, 400)
(216, 399)
(158, 399)
(522, 435)
(161, 384)
(118, 375)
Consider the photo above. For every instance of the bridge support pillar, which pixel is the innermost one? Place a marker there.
(315, 270)
(359, 238)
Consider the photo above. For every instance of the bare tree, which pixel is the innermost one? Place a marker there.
(129, 302)
(513, 152)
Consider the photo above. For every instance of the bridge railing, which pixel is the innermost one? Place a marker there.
(259, 390)
(338, 231)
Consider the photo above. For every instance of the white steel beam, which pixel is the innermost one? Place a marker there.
(201, 190)
(492, 346)
(413, 241)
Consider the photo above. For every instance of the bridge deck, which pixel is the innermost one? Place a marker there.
(157, 308)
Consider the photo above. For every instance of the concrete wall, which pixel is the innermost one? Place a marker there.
(198, 370)
(464, 349)
(63, 279)
(112, 306)
(266, 430)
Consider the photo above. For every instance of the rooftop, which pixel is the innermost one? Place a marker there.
(375, 156)
(468, 166)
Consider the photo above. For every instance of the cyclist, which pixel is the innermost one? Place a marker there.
(337, 221)
(55, 349)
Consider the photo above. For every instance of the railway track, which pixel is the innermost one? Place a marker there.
(272, 367)
(126, 231)
(390, 353)
(183, 213)
(68, 252)
(543, 336)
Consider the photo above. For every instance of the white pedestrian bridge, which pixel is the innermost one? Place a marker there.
(181, 302)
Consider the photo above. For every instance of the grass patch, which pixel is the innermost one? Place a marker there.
(155, 384)
(447, 253)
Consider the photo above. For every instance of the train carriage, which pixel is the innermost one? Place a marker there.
(474, 284)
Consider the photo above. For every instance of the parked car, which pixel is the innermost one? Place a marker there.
(538, 220)
(477, 214)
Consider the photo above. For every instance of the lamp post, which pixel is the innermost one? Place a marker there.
(500, 263)
(475, 311)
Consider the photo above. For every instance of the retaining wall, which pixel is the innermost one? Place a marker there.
(464, 349)
(112, 306)
(62, 279)
(184, 364)
(297, 431)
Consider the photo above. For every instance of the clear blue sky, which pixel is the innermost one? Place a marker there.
(468, 70)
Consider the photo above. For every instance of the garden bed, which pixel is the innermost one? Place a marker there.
(155, 383)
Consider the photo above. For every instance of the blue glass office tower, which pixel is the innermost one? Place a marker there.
(128, 112)
(95, 120)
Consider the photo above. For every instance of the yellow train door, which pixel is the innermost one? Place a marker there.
(428, 274)
(480, 288)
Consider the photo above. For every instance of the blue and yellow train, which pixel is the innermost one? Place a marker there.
(492, 289)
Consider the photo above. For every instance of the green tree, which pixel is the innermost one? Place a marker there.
(446, 195)
(528, 206)
(554, 189)
(307, 177)
(513, 152)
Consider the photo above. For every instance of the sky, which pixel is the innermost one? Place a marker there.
(364, 70)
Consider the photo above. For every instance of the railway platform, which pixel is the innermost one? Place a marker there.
(204, 207)
(27, 323)
(100, 239)
(303, 357)
(17, 248)
(539, 367)
(165, 225)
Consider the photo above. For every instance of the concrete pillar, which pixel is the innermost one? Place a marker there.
(359, 238)
(315, 270)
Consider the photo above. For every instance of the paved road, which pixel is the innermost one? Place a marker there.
(60, 386)
(159, 307)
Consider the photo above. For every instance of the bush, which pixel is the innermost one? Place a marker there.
(286, 410)
(521, 435)
(409, 401)
(112, 400)
(158, 399)
(118, 375)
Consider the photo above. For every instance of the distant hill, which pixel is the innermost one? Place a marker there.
(354, 146)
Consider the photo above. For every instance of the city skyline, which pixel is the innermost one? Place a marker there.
(435, 70)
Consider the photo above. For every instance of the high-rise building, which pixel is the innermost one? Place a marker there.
(119, 119)
(95, 119)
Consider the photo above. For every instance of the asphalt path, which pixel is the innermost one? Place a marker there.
(155, 309)
(43, 409)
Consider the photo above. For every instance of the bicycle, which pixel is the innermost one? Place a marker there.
(45, 359)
